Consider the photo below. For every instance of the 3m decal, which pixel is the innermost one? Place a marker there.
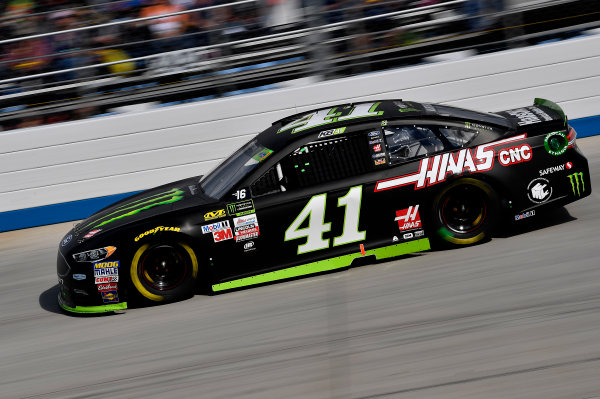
(409, 218)
(215, 214)
(525, 215)
(539, 190)
(223, 234)
(556, 143)
(434, 170)
(331, 115)
(314, 211)
(240, 208)
(134, 207)
(158, 229)
(576, 179)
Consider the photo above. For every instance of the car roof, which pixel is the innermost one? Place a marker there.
(299, 125)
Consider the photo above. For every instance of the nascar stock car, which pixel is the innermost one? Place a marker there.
(316, 191)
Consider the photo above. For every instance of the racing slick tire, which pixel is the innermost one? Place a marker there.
(164, 272)
(465, 212)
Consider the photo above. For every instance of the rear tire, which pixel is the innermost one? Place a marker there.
(164, 272)
(465, 212)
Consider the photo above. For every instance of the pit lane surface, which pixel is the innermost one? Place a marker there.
(518, 317)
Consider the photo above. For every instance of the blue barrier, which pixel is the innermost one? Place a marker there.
(76, 210)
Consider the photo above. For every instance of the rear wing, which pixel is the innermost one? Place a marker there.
(543, 113)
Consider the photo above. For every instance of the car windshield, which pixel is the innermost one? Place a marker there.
(221, 179)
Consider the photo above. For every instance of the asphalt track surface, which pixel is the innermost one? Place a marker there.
(517, 317)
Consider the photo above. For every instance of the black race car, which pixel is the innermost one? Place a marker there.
(318, 190)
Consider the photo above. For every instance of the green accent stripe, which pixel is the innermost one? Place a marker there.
(326, 265)
(94, 309)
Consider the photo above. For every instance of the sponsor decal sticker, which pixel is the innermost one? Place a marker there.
(249, 246)
(106, 279)
(435, 169)
(554, 169)
(134, 207)
(556, 143)
(107, 287)
(79, 277)
(409, 218)
(262, 155)
(379, 161)
(576, 180)
(331, 132)
(376, 141)
(419, 233)
(92, 233)
(569, 165)
(209, 228)
(240, 208)
(155, 230)
(106, 270)
(375, 133)
(525, 215)
(524, 115)
(380, 155)
(224, 233)
(539, 190)
(246, 227)
(110, 296)
(215, 214)
(518, 154)
(377, 148)
(66, 240)
(395, 239)
(470, 125)
(408, 236)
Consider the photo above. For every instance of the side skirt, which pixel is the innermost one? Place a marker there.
(326, 264)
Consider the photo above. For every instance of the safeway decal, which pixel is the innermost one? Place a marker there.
(435, 169)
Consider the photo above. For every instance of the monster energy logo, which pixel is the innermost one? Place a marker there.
(131, 208)
(575, 178)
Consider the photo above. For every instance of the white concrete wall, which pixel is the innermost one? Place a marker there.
(116, 154)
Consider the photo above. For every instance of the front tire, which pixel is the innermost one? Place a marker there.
(465, 212)
(164, 272)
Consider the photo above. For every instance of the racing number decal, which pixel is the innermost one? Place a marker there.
(315, 212)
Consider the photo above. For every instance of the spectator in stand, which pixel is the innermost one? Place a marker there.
(166, 29)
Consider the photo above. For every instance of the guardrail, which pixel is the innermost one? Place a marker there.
(93, 160)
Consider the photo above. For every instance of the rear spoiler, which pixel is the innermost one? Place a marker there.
(542, 113)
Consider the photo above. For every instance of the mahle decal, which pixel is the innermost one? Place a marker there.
(575, 179)
(134, 207)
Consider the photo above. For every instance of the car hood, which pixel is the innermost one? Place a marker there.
(145, 204)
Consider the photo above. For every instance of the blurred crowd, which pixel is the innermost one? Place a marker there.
(116, 42)
(22, 18)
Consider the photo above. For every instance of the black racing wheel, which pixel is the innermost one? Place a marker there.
(164, 272)
(465, 212)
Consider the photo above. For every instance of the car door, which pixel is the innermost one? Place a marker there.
(308, 204)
